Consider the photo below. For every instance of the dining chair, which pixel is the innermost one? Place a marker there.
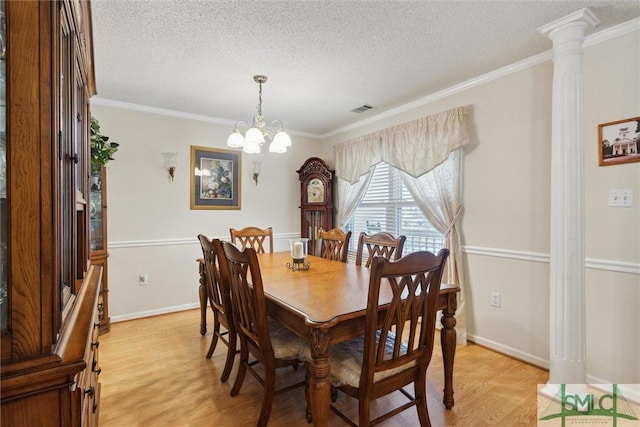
(219, 296)
(397, 345)
(270, 343)
(334, 244)
(381, 244)
(252, 237)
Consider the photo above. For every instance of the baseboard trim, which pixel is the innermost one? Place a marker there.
(157, 312)
(509, 351)
(629, 391)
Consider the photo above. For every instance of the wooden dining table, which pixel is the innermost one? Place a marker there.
(326, 304)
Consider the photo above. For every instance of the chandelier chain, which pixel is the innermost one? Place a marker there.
(260, 98)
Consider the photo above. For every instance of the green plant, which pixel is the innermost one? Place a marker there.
(101, 149)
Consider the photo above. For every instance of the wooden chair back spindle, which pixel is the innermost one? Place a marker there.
(253, 237)
(334, 244)
(381, 244)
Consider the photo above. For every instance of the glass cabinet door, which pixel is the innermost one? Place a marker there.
(96, 213)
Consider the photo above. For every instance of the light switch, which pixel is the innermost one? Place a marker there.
(143, 279)
(621, 198)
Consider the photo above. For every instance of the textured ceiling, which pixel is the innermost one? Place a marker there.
(322, 58)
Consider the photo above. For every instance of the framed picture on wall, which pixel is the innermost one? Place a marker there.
(619, 142)
(215, 178)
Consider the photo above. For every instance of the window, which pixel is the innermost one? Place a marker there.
(389, 207)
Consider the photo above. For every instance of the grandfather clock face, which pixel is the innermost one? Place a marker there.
(315, 191)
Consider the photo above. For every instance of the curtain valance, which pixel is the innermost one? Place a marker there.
(414, 147)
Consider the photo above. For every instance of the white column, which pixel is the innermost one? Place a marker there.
(567, 296)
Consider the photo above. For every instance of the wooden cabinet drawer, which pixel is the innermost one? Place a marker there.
(91, 380)
(88, 381)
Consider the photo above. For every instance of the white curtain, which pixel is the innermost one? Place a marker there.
(415, 148)
(437, 194)
(350, 196)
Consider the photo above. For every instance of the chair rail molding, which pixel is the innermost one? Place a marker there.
(590, 263)
(186, 241)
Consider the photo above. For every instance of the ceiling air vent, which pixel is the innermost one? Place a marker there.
(362, 109)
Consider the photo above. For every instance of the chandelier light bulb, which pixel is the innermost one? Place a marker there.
(235, 140)
(254, 136)
(251, 147)
(283, 138)
(279, 144)
(277, 148)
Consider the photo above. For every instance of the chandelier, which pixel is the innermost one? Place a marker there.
(258, 132)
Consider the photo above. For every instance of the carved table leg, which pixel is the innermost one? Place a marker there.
(202, 292)
(320, 387)
(448, 342)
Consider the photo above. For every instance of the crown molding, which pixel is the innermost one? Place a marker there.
(612, 33)
(604, 35)
(96, 100)
(476, 81)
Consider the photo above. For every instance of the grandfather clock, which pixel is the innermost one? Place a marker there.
(316, 199)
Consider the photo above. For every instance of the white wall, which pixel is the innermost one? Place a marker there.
(151, 228)
(612, 92)
(505, 223)
(506, 189)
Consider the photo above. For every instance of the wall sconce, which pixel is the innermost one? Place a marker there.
(256, 170)
(170, 163)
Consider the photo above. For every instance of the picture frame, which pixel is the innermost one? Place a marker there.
(215, 180)
(619, 142)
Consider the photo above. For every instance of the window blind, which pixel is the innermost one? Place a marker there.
(388, 206)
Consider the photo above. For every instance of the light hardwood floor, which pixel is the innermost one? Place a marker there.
(154, 373)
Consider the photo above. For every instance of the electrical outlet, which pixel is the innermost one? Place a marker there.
(495, 299)
(143, 279)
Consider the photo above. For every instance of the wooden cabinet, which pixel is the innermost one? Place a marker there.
(4, 297)
(98, 240)
(316, 199)
(49, 370)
